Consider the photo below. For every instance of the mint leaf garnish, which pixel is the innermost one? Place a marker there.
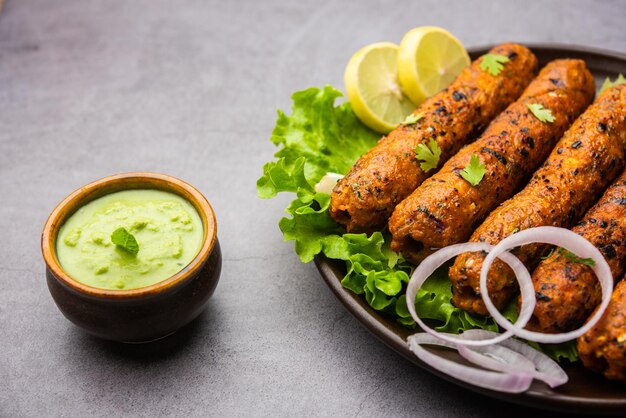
(125, 240)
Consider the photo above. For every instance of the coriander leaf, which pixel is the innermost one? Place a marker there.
(474, 171)
(493, 63)
(570, 256)
(545, 257)
(540, 112)
(573, 258)
(608, 83)
(428, 155)
(125, 241)
(413, 118)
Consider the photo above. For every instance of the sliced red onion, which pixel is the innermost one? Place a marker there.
(547, 370)
(498, 358)
(502, 382)
(435, 260)
(327, 183)
(556, 236)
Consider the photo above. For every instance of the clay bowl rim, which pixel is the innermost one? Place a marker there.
(112, 184)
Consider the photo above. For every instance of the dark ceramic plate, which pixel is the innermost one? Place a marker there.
(585, 392)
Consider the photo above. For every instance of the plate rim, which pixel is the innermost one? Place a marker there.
(557, 47)
(357, 306)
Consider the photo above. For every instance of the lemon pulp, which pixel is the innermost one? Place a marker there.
(373, 87)
(429, 59)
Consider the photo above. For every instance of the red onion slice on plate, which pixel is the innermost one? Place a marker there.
(545, 369)
(497, 357)
(503, 382)
(513, 364)
(435, 260)
(556, 236)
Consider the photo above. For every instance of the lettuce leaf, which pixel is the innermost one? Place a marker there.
(310, 226)
(559, 352)
(319, 137)
(328, 138)
(279, 176)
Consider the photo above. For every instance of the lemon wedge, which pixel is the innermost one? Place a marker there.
(429, 59)
(373, 89)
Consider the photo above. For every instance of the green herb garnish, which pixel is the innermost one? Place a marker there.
(320, 137)
(413, 118)
(571, 257)
(493, 63)
(428, 156)
(545, 257)
(608, 83)
(125, 240)
(474, 171)
(540, 112)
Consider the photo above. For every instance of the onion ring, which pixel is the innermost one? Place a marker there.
(546, 369)
(498, 358)
(502, 382)
(435, 260)
(563, 238)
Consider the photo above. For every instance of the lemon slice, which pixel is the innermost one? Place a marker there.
(373, 89)
(430, 58)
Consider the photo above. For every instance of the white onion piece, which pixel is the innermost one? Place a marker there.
(556, 236)
(435, 260)
(327, 183)
(509, 382)
(547, 370)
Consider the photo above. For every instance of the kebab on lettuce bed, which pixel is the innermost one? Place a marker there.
(320, 142)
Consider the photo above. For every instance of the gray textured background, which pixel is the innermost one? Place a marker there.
(91, 88)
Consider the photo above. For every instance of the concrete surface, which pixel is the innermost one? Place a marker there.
(91, 88)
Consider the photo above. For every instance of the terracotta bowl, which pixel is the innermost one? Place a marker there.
(143, 314)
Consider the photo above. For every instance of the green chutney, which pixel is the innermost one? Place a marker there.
(167, 228)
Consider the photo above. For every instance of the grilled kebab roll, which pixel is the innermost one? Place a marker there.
(584, 162)
(364, 199)
(567, 290)
(603, 348)
(446, 208)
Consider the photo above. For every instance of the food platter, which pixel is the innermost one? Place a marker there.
(585, 392)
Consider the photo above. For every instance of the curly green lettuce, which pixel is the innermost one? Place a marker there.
(317, 138)
(320, 137)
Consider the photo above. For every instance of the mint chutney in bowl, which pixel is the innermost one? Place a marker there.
(132, 257)
(166, 229)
